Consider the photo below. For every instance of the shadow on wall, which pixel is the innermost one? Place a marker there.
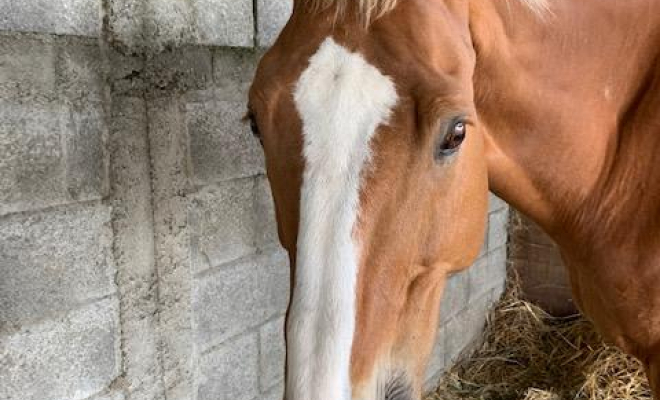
(536, 258)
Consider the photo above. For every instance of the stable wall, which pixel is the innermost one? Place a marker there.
(138, 250)
(536, 258)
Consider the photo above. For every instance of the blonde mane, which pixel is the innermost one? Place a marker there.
(539, 7)
(370, 10)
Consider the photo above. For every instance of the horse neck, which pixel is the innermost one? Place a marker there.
(563, 99)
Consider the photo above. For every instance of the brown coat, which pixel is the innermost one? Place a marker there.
(563, 122)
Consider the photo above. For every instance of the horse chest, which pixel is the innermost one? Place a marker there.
(619, 294)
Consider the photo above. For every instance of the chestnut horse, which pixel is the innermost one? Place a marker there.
(385, 122)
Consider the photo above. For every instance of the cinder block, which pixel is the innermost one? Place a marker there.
(125, 24)
(169, 186)
(150, 26)
(126, 74)
(109, 396)
(62, 17)
(27, 66)
(233, 71)
(165, 23)
(185, 68)
(498, 223)
(497, 262)
(466, 329)
(70, 358)
(484, 246)
(168, 144)
(31, 157)
(51, 262)
(456, 296)
(484, 277)
(495, 203)
(47, 69)
(437, 359)
(275, 393)
(230, 372)
(240, 296)
(231, 220)
(86, 163)
(133, 247)
(221, 145)
(272, 354)
(266, 225)
(272, 15)
(80, 71)
(35, 170)
(222, 223)
(461, 331)
(455, 338)
(225, 22)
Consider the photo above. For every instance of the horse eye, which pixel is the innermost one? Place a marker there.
(452, 139)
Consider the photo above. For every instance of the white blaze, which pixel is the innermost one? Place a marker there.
(341, 100)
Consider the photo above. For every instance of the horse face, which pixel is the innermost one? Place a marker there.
(377, 169)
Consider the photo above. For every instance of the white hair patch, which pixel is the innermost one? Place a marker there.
(342, 100)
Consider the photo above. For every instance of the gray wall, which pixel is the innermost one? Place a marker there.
(138, 253)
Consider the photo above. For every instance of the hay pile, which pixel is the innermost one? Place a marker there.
(528, 355)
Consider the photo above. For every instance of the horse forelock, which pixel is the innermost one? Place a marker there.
(370, 10)
(540, 7)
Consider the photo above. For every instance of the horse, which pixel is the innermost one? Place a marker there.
(384, 124)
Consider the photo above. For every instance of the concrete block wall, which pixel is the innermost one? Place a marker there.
(138, 249)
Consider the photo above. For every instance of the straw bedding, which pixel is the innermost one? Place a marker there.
(528, 355)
